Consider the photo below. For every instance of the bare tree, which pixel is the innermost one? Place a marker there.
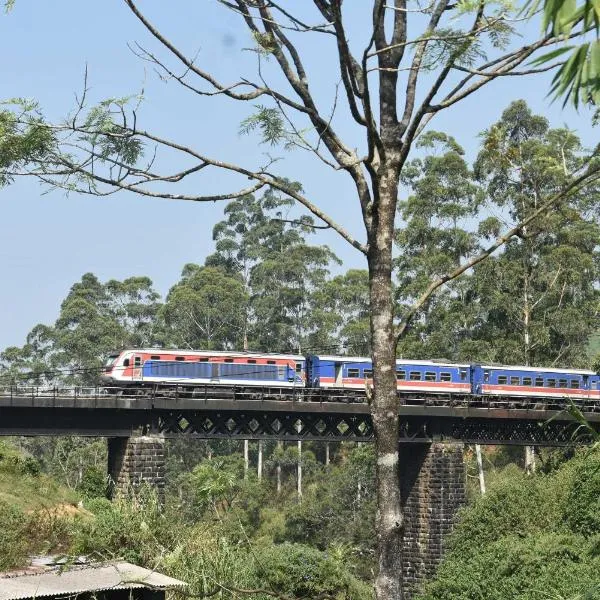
(417, 60)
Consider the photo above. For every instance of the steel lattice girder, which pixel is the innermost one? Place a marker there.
(310, 426)
(271, 425)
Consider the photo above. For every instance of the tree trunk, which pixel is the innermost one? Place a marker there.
(260, 459)
(480, 469)
(299, 471)
(279, 446)
(530, 460)
(246, 458)
(384, 407)
(326, 454)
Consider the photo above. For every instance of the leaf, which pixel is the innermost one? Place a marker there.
(551, 55)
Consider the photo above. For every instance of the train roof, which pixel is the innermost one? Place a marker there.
(233, 354)
(539, 369)
(402, 361)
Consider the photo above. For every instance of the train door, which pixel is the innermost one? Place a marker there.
(138, 364)
(339, 374)
(313, 379)
(477, 379)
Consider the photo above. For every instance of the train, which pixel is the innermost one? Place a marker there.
(143, 367)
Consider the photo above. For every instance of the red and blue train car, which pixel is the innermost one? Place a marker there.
(159, 366)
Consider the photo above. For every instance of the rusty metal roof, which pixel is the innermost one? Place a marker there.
(114, 576)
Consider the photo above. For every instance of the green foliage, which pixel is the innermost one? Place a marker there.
(205, 310)
(136, 530)
(581, 509)
(578, 77)
(24, 137)
(95, 318)
(282, 274)
(270, 123)
(297, 570)
(13, 540)
(529, 538)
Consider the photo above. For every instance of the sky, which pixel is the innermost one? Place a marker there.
(49, 240)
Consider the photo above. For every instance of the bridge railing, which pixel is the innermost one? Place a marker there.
(80, 395)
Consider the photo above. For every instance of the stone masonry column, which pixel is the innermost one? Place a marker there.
(135, 461)
(432, 483)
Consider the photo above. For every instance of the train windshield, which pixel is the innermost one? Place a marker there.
(110, 360)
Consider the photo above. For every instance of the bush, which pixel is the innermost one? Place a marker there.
(535, 567)
(302, 571)
(135, 530)
(529, 538)
(581, 510)
(13, 539)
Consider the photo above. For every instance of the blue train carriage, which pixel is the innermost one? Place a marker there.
(355, 372)
(433, 376)
(496, 380)
(161, 366)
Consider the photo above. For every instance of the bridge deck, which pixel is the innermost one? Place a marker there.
(285, 414)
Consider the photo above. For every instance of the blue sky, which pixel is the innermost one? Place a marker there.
(49, 240)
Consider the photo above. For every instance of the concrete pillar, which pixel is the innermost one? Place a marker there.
(135, 461)
(432, 483)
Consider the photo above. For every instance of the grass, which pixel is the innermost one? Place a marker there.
(24, 487)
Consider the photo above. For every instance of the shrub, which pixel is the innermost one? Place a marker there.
(13, 539)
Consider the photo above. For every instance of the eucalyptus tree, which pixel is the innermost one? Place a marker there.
(406, 65)
(263, 244)
(438, 232)
(540, 295)
(95, 318)
(205, 310)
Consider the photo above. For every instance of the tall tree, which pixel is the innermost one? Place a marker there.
(95, 318)
(438, 233)
(413, 63)
(205, 310)
(266, 247)
(540, 295)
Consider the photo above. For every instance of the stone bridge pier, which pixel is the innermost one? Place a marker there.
(134, 462)
(433, 488)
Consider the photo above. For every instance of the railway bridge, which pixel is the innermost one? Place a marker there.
(433, 430)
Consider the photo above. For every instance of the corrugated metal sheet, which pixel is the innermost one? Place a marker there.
(115, 576)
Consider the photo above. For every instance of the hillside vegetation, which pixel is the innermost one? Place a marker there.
(530, 538)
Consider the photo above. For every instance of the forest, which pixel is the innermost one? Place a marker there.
(231, 528)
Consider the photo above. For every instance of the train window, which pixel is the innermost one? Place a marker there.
(486, 376)
(539, 382)
(502, 379)
(229, 360)
(137, 361)
(271, 362)
(551, 383)
(353, 372)
(298, 367)
(415, 376)
(369, 373)
(526, 380)
(400, 375)
(126, 362)
(251, 361)
(155, 357)
(562, 383)
(430, 376)
(463, 374)
(180, 358)
(445, 376)
(203, 359)
(515, 381)
(574, 384)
